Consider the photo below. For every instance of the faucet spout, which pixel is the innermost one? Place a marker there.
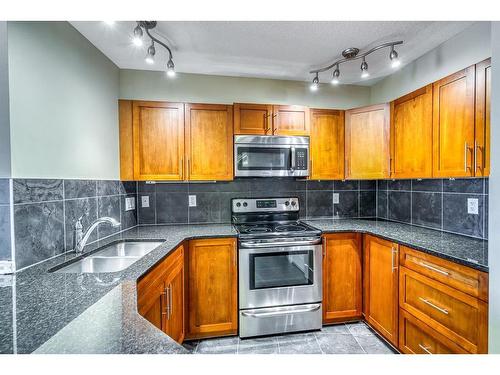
(82, 238)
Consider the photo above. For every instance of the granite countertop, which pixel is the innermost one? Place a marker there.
(468, 251)
(46, 312)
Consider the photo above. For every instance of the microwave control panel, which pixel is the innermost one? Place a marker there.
(301, 159)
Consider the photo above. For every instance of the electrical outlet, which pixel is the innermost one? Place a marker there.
(129, 204)
(473, 206)
(192, 201)
(145, 201)
(336, 198)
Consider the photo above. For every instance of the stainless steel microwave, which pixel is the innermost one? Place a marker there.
(271, 156)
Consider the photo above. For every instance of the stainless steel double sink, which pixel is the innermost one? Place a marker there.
(112, 258)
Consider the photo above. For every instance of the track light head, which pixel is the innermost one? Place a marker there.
(137, 39)
(315, 83)
(170, 68)
(336, 74)
(150, 57)
(364, 69)
(393, 56)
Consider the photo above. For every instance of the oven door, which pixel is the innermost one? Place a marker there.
(279, 276)
(255, 160)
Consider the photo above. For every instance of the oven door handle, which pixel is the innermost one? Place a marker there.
(281, 312)
(259, 245)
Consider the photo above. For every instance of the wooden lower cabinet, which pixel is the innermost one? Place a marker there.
(342, 291)
(416, 337)
(380, 276)
(160, 295)
(212, 299)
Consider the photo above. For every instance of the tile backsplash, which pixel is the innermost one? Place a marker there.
(436, 203)
(5, 240)
(168, 202)
(45, 212)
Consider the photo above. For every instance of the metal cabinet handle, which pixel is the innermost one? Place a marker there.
(425, 349)
(393, 267)
(465, 157)
(323, 243)
(440, 309)
(181, 167)
(434, 269)
(475, 157)
(170, 301)
(163, 305)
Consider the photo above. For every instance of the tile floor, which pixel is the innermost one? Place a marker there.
(349, 338)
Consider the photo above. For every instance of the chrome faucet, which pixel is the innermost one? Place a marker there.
(82, 238)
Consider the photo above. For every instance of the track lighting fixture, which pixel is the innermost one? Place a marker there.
(315, 83)
(364, 69)
(147, 26)
(351, 54)
(336, 74)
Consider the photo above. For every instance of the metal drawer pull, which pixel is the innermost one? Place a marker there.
(282, 312)
(444, 311)
(164, 311)
(170, 301)
(434, 269)
(394, 251)
(425, 349)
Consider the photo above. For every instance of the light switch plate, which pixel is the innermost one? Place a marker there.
(192, 201)
(129, 204)
(336, 198)
(145, 201)
(473, 206)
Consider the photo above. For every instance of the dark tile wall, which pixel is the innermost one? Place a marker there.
(169, 201)
(435, 203)
(5, 241)
(45, 212)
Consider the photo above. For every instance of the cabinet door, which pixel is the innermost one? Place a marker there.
(411, 135)
(290, 120)
(453, 118)
(158, 129)
(327, 144)
(483, 106)
(253, 119)
(152, 304)
(212, 288)
(342, 292)
(174, 286)
(209, 133)
(381, 286)
(367, 142)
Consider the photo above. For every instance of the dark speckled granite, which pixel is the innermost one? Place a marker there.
(460, 249)
(90, 313)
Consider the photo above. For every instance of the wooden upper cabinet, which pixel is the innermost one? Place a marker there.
(381, 286)
(411, 135)
(327, 144)
(253, 119)
(342, 291)
(158, 133)
(290, 120)
(453, 117)
(209, 141)
(483, 109)
(212, 288)
(367, 150)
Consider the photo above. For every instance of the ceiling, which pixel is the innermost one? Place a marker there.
(277, 50)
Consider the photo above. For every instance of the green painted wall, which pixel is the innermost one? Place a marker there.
(199, 88)
(63, 104)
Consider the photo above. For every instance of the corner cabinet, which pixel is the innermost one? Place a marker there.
(342, 270)
(209, 142)
(327, 144)
(212, 299)
(411, 135)
(367, 151)
(381, 285)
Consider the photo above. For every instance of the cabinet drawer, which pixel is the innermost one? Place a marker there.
(416, 337)
(451, 312)
(460, 277)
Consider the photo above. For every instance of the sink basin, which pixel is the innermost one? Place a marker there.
(128, 249)
(112, 258)
(98, 265)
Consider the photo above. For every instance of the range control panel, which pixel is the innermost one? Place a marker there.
(265, 204)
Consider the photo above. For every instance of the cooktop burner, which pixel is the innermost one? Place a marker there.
(255, 228)
(290, 228)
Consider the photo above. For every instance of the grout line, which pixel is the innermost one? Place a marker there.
(355, 339)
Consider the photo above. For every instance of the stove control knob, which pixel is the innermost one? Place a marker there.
(287, 203)
(245, 204)
(238, 204)
(293, 203)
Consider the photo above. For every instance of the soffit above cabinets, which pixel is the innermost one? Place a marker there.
(275, 50)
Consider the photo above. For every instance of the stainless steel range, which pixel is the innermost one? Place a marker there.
(279, 267)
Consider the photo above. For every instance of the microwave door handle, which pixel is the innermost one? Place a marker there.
(292, 159)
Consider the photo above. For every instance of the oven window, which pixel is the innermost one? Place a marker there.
(281, 269)
(263, 158)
